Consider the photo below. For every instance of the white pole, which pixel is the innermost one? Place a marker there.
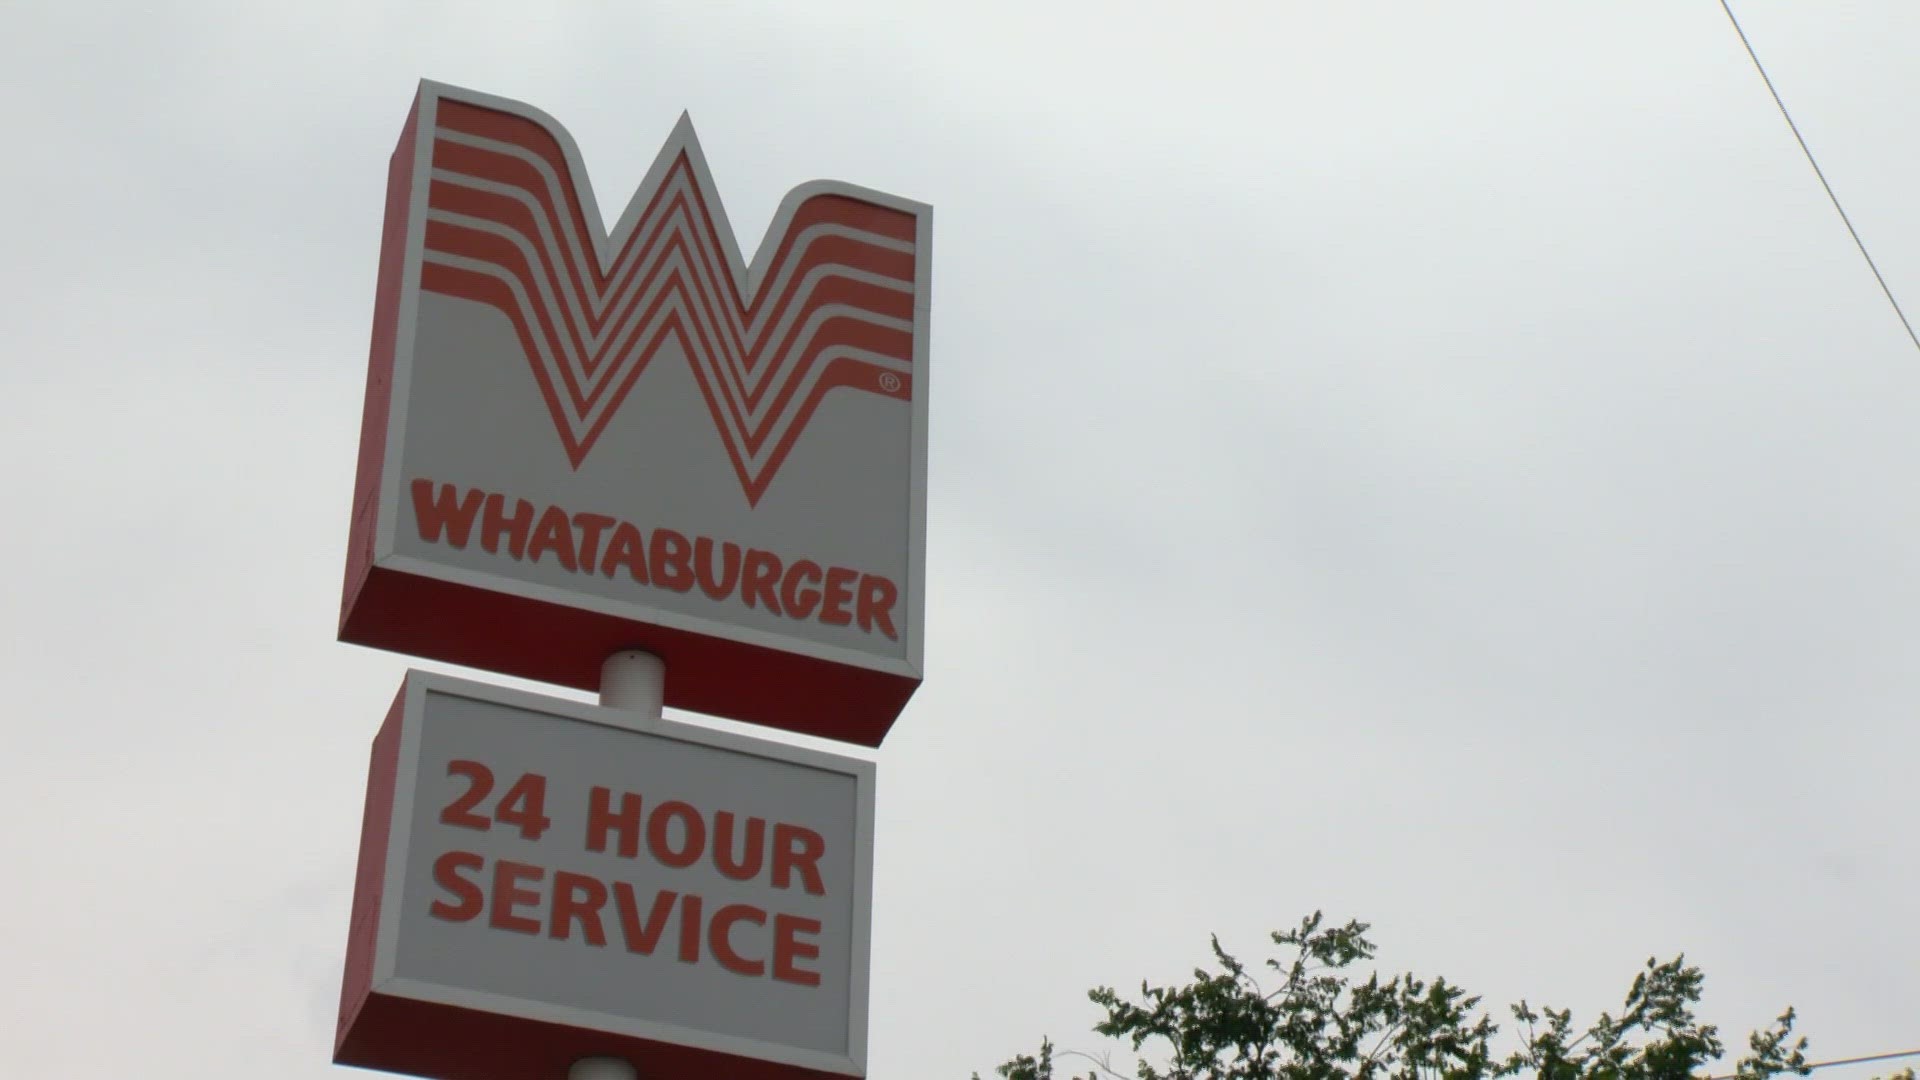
(600, 1068)
(634, 680)
(631, 680)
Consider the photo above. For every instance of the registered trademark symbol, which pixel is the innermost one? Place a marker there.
(889, 382)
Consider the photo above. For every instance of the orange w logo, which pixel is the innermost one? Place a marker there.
(830, 301)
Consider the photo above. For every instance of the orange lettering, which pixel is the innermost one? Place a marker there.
(591, 525)
(642, 937)
(555, 534)
(689, 929)
(763, 575)
(787, 947)
(493, 523)
(721, 946)
(693, 835)
(798, 602)
(507, 895)
(626, 549)
(747, 867)
(877, 596)
(601, 819)
(716, 587)
(446, 874)
(671, 566)
(797, 848)
(438, 513)
(586, 908)
(833, 611)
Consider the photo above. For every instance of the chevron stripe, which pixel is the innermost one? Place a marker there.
(831, 306)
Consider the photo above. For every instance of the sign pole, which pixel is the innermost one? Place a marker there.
(601, 1068)
(632, 680)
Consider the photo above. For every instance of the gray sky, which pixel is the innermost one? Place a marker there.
(1443, 464)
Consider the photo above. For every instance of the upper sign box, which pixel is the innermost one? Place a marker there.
(579, 440)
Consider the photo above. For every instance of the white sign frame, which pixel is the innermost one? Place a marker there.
(386, 981)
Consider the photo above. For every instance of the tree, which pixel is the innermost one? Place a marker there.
(1321, 1023)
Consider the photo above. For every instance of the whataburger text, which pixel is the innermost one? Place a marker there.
(590, 543)
(671, 835)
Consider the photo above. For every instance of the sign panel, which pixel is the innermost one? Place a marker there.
(579, 440)
(542, 881)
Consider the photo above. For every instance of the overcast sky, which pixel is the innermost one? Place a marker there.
(1441, 463)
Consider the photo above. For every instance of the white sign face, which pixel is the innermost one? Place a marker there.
(638, 422)
(571, 864)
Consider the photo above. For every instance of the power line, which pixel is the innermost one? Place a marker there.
(1817, 171)
(1911, 336)
(1870, 1057)
(1846, 1061)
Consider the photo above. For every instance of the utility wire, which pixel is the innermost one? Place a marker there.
(1835, 199)
(1847, 1061)
(1870, 1057)
(1908, 326)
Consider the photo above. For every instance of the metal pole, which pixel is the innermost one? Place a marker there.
(600, 1068)
(632, 680)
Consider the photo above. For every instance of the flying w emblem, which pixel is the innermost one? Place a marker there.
(834, 299)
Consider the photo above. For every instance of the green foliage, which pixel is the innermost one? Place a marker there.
(1319, 1022)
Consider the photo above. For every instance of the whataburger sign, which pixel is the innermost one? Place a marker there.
(581, 446)
(579, 439)
(544, 880)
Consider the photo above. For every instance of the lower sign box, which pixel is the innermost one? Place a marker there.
(542, 881)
